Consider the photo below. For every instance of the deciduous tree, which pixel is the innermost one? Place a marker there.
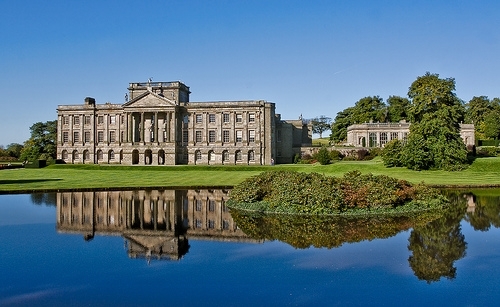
(321, 124)
(435, 113)
(42, 143)
(397, 108)
(371, 108)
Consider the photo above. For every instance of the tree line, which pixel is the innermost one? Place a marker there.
(435, 113)
(40, 145)
(484, 113)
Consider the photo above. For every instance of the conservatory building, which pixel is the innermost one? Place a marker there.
(379, 134)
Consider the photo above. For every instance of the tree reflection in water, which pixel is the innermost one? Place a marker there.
(484, 209)
(436, 246)
(301, 231)
(435, 242)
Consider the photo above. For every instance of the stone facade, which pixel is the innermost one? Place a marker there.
(158, 125)
(379, 134)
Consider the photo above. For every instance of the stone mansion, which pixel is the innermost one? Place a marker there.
(158, 125)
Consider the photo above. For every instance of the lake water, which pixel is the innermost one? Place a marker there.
(184, 248)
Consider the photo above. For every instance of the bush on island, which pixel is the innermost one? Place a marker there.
(302, 193)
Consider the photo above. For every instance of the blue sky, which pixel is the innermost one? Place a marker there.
(309, 57)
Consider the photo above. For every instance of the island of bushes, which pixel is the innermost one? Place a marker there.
(353, 194)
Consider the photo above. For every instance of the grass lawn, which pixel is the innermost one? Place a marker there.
(322, 141)
(483, 172)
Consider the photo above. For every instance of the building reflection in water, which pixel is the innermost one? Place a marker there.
(155, 224)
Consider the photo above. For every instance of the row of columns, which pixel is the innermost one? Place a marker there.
(157, 133)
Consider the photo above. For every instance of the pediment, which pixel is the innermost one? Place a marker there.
(149, 100)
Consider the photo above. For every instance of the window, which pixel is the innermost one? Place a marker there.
(65, 137)
(65, 120)
(100, 120)
(238, 155)
(211, 156)
(112, 136)
(211, 224)
(211, 118)
(251, 135)
(211, 205)
(198, 223)
(86, 136)
(251, 155)
(111, 155)
(225, 117)
(76, 136)
(239, 118)
(122, 119)
(185, 136)
(122, 136)
(65, 155)
(199, 118)
(372, 139)
(99, 155)
(383, 138)
(394, 136)
(198, 136)
(239, 135)
(76, 120)
(87, 119)
(251, 118)
(225, 156)
(198, 205)
(197, 155)
(225, 224)
(112, 120)
(211, 136)
(225, 136)
(100, 136)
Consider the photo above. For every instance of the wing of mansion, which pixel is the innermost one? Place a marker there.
(158, 125)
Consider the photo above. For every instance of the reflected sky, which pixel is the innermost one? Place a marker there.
(45, 268)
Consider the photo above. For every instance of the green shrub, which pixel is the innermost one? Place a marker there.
(336, 155)
(392, 154)
(296, 192)
(322, 156)
(487, 151)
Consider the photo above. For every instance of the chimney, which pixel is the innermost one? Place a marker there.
(89, 101)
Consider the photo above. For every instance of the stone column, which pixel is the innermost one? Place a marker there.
(142, 132)
(130, 128)
(157, 129)
(166, 125)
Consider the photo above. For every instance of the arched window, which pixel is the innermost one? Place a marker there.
(225, 156)
(251, 155)
(238, 155)
(148, 157)
(111, 155)
(211, 156)
(76, 156)
(99, 155)
(135, 156)
(161, 157)
(197, 155)
(86, 156)
(64, 155)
